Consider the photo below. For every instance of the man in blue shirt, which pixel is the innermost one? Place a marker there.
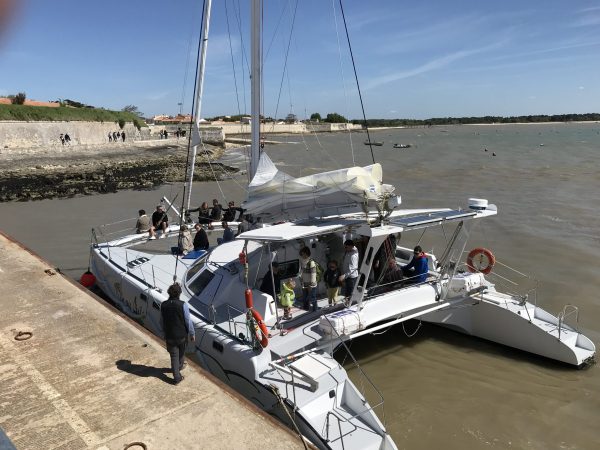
(417, 269)
(177, 327)
(228, 235)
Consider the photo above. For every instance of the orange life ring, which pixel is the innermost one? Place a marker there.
(477, 266)
(261, 329)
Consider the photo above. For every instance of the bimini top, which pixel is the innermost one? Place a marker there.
(398, 221)
(298, 230)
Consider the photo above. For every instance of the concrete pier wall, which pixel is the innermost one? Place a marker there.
(77, 374)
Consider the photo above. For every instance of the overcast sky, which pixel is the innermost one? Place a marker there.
(414, 59)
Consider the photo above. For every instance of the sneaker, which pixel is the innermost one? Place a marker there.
(176, 382)
(162, 236)
(151, 238)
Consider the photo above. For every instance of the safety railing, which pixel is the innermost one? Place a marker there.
(364, 381)
(511, 281)
(568, 310)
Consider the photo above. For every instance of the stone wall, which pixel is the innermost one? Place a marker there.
(294, 128)
(210, 134)
(37, 135)
(14, 134)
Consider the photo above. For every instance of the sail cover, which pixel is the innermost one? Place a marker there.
(274, 195)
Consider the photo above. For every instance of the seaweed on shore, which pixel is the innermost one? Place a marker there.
(102, 177)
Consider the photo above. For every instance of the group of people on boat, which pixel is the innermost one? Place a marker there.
(157, 224)
(159, 221)
(341, 279)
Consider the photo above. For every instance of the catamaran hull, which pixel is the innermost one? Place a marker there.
(229, 359)
(522, 326)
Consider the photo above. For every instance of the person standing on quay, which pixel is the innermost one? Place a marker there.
(177, 327)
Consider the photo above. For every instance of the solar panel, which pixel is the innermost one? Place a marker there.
(432, 218)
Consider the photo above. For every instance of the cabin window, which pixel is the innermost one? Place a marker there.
(369, 255)
(198, 285)
(195, 269)
(289, 269)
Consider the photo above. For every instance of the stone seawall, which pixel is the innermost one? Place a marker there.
(35, 136)
(14, 134)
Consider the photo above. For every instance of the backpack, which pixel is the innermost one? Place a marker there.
(319, 271)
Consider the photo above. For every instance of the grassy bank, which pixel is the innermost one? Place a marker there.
(63, 113)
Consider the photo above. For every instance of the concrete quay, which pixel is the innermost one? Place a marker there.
(76, 374)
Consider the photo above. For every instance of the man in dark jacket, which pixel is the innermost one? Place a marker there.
(177, 327)
(201, 238)
(267, 283)
(416, 270)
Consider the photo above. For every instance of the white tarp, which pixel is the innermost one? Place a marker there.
(275, 195)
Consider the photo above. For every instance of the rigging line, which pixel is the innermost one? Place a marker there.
(207, 153)
(237, 96)
(187, 68)
(243, 52)
(337, 33)
(335, 161)
(275, 32)
(357, 84)
(213, 172)
(286, 58)
(187, 162)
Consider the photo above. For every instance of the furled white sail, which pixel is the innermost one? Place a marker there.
(275, 195)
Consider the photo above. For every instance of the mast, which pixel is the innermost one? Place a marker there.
(255, 78)
(196, 137)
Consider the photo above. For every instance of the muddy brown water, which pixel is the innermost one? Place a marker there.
(441, 389)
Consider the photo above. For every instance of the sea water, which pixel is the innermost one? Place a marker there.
(441, 389)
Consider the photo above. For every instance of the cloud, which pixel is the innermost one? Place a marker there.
(588, 21)
(432, 65)
(156, 96)
(581, 88)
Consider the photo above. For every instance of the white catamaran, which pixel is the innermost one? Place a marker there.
(286, 365)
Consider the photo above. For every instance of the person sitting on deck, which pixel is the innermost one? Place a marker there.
(417, 269)
(229, 213)
(393, 274)
(185, 240)
(143, 223)
(201, 238)
(216, 211)
(160, 221)
(203, 213)
(227, 234)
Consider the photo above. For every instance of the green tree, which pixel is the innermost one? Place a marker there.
(335, 118)
(19, 99)
(133, 110)
(315, 116)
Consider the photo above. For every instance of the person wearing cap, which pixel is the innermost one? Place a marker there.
(417, 269)
(160, 221)
(178, 327)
